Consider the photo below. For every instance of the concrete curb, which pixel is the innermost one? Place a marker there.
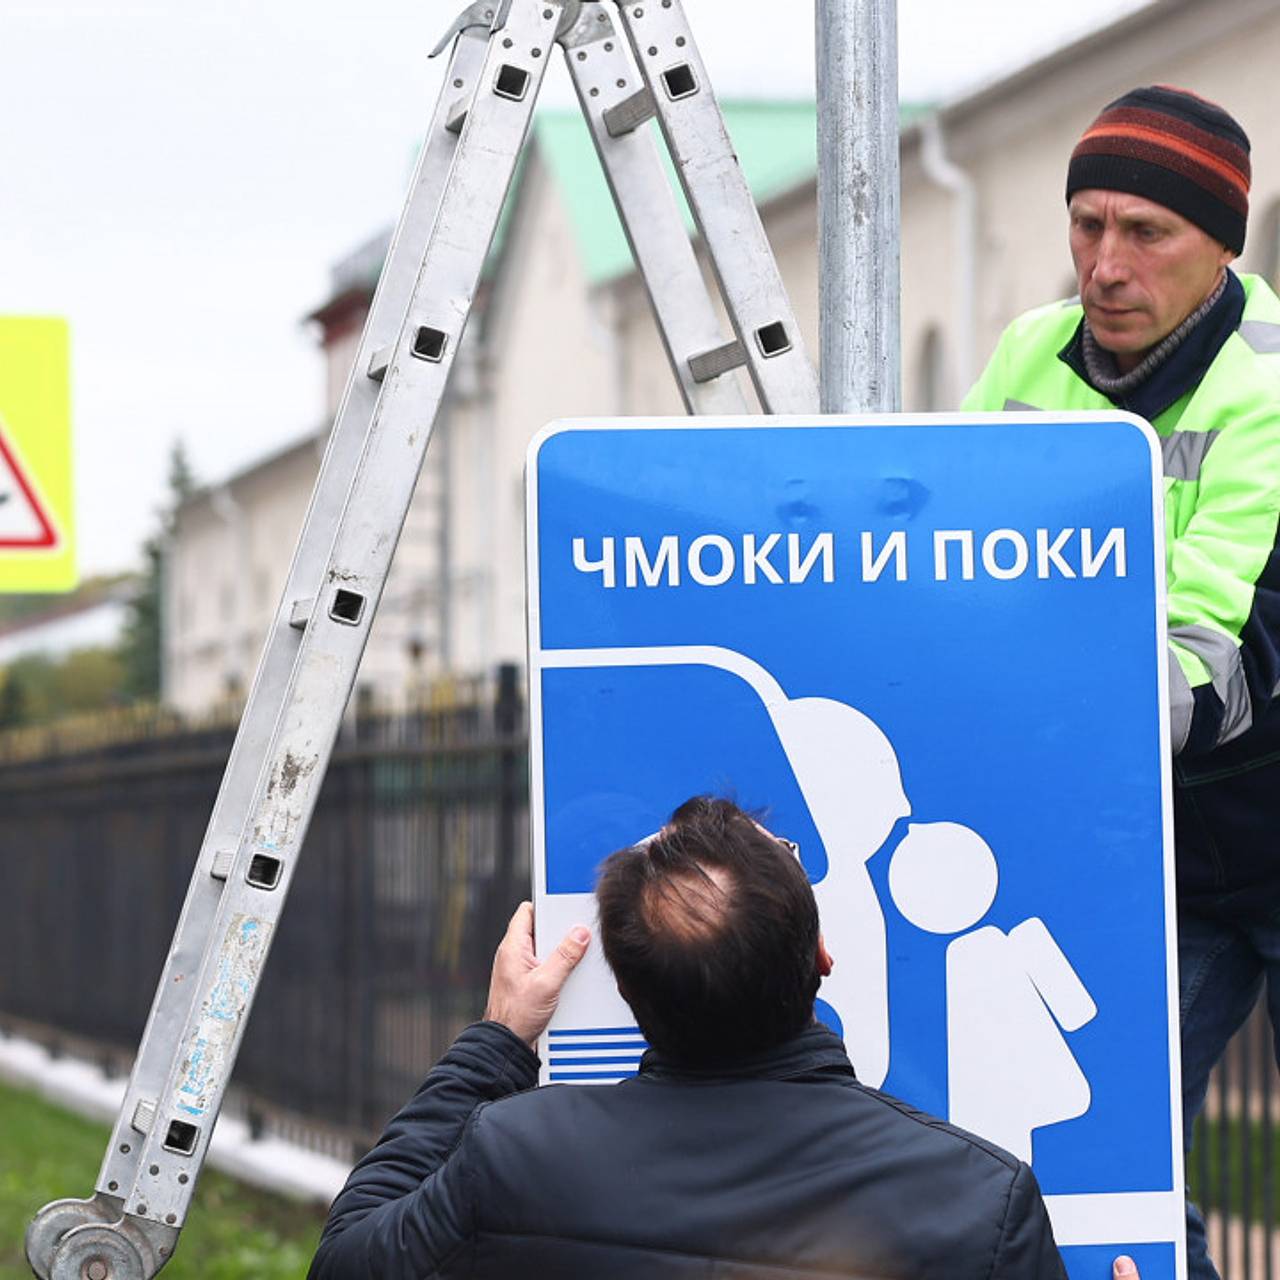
(268, 1163)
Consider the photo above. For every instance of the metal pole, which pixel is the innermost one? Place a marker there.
(858, 205)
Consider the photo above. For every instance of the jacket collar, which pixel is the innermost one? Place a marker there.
(1187, 363)
(814, 1054)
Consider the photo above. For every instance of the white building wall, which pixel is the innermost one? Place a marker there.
(550, 355)
(339, 357)
(228, 564)
(226, 569)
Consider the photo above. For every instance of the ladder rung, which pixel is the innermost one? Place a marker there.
(457, 115)
(300, 611)
(144, 1115)
(711, 364)
(379, 361)
(222, 861)
(629, 114)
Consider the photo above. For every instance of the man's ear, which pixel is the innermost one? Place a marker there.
(825, 962)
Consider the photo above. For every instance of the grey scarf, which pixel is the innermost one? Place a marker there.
(1101, 364)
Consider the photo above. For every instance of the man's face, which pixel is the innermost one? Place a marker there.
(1141, 269)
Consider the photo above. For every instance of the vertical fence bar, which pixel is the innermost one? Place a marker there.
(1224, 1161)
(1200, 1149)
(1266, 1068)
(859, 221)
(507, 718)
(1246, 1047)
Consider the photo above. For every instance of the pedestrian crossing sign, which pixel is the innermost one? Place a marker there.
(37, 549)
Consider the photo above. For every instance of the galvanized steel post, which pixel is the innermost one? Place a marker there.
(858, 205)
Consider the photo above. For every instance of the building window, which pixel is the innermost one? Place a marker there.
(931, 389)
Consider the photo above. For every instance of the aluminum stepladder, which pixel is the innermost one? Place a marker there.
(629, 64)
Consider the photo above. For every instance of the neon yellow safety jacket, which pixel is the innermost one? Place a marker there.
(1221, 445)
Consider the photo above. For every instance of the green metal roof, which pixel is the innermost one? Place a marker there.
(776, 142)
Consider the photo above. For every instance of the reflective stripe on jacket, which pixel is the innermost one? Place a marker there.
(1221, 446)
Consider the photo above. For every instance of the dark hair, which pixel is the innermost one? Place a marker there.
(711, 930)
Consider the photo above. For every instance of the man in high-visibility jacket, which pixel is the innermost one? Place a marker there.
(1157, 193)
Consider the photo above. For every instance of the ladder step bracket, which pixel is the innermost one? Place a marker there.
(300, 613)
(680, 82)
(380, 361)
(630, 114)
(221, 869)
(720, 360)
(457, 114)
(512, 82)
(144, 1115)
(430, 344)
(773, 340)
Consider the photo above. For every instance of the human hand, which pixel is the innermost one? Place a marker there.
(1124, 1268)
(524, 992)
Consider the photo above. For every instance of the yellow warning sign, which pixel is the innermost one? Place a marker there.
(37, 546)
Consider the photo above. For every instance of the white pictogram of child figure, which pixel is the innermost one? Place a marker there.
(1010, 997)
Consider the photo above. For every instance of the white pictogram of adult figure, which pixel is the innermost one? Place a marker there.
(1010, 996)
(849, 776)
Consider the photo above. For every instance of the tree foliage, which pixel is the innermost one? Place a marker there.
(37, 688)
(141, 647)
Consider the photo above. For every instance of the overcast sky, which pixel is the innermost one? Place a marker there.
(177, 178)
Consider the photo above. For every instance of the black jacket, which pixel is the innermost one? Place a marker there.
(782, 1166)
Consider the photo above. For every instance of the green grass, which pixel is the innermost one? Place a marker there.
(232, 1233)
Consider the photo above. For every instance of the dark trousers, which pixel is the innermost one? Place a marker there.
(1227, 945)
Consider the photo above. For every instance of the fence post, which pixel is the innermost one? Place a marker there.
(507, 717)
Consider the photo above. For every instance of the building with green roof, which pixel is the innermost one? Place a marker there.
(563, 327)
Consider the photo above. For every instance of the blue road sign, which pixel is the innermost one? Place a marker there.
(932, 650)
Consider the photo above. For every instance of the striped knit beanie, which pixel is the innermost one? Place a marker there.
(1172, 147)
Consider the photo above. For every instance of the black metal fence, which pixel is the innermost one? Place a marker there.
(414, 861)
(1236, 1153)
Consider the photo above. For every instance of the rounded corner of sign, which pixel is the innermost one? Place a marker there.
(1135, 420)
(556, 427)
(1144, 429)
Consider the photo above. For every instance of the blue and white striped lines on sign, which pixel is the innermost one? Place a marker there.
(596, 1054)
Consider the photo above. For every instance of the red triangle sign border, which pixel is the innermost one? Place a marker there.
(47, 539)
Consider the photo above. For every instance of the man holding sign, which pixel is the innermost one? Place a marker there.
(1157, 191)
(746, 1146)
